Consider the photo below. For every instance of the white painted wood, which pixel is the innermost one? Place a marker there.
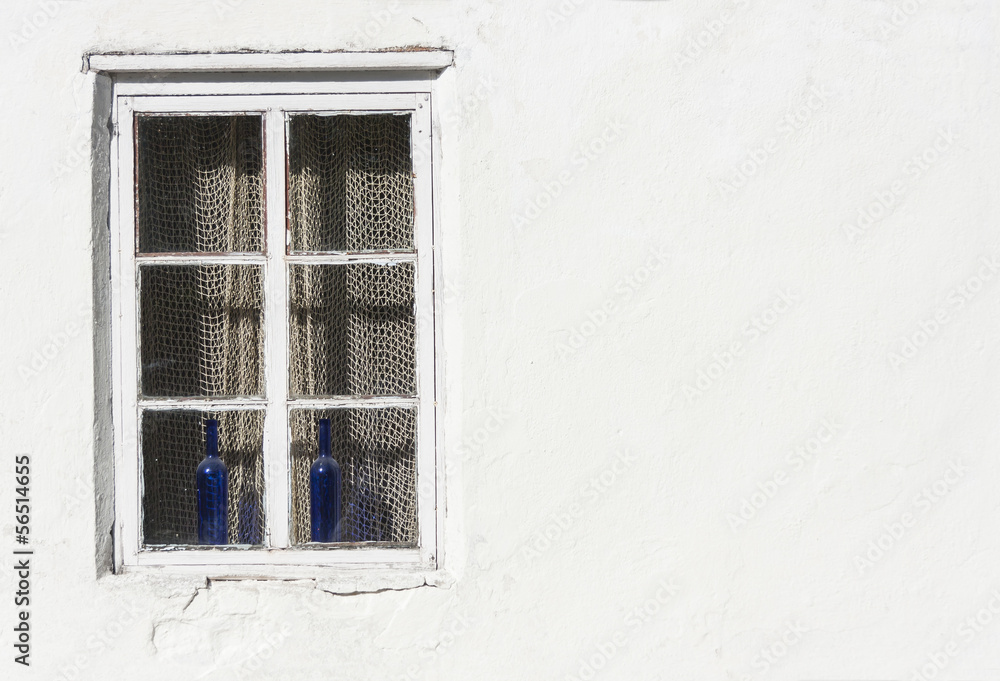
(202, 403)
(441, 167)
(199, 259)
(276, 456)
(385, 573)
(357, 104)
(355, 402)
(236, 555)
(338, 258)
(424, 303)
(291, 61)
(283, 83)
(122, 489)
(128, 475)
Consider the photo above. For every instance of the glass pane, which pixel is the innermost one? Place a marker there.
(173, 444)
(199, 184)
(375, 449)
(350, 183)
(201, 330)
(352, 330)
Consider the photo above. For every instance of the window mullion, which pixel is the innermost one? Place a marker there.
(276, 479)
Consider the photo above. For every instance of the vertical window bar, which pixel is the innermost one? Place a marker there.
(125, 359)
(276, 478)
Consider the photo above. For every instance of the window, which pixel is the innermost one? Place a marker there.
(272, 266)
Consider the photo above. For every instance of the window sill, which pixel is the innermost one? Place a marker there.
(335, 580)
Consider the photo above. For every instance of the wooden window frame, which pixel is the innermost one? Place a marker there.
(143, 85)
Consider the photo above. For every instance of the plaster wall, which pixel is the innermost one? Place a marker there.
(722, 359)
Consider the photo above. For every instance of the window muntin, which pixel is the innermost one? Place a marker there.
(369, 263)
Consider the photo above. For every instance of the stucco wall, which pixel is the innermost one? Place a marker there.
(723, 364)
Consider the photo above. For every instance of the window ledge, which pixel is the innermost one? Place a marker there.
(339, 582)
(406, 59)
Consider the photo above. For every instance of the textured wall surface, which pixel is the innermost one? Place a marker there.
(722, 376)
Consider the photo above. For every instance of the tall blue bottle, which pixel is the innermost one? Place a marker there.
(324, 491)
(213, 491)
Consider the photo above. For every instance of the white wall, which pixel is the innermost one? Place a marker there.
(589, 325)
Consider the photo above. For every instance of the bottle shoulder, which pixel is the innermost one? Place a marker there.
(325, 464)
(212, 464)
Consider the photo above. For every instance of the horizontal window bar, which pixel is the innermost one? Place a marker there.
(201, 259)
(351, 104)
(342, 258)
(202, 403)
(335, 402)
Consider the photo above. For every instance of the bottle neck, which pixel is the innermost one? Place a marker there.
(324, 437)
(212, 438)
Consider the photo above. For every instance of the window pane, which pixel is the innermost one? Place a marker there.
(350, 184)
(352, 330)
(173, 444)
(375, 449)
(201, 330)
(200, 184)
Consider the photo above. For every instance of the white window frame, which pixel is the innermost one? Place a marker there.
(161, 84)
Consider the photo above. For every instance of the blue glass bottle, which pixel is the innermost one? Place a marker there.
(324, 491)
(213, 491)
(248, 518)
(365, 510)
